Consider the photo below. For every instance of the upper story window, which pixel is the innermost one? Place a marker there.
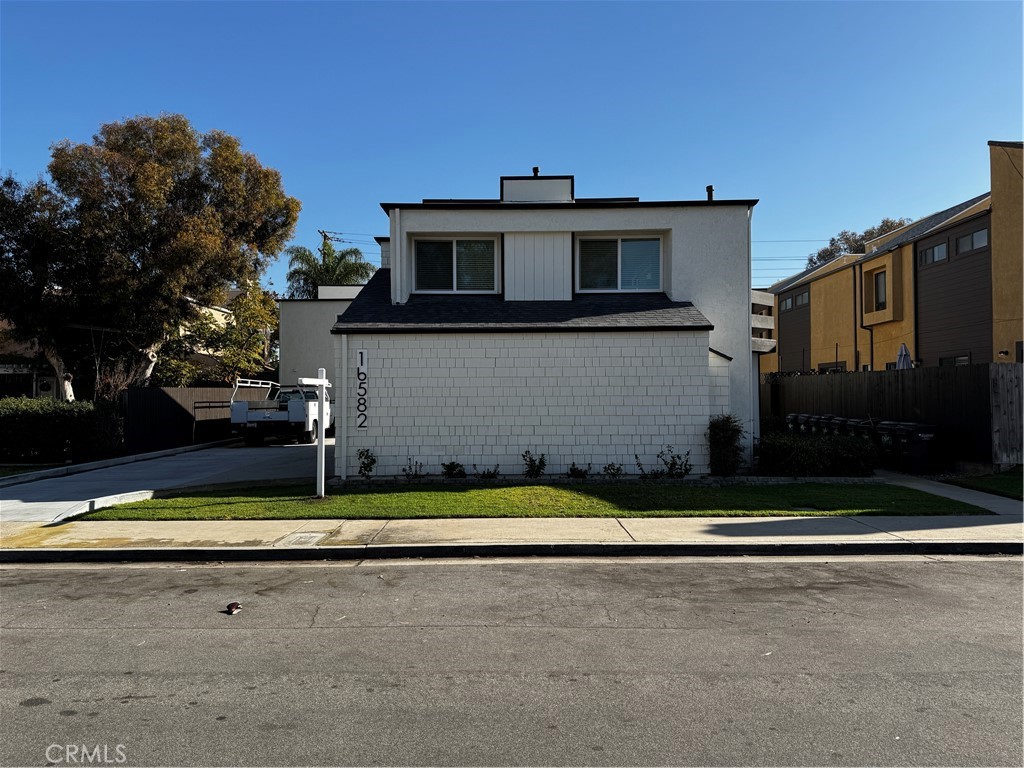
(880, 301)
(972, 242)
(801, 299)
(935, 253)
(619, 264)
(457, 264)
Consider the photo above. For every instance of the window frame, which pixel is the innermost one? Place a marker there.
(973, 247)
(618, 238)
(880, 305)
(454, 240)
(922, 254)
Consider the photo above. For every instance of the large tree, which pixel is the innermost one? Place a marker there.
(136, 230)
(848, 241)
(306, 272)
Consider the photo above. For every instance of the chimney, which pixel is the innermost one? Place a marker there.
(711, 192)
(536, 170)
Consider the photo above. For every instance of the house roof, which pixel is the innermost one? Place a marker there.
(579, 203)
(373, 312)
(915, 231)
(923, 226)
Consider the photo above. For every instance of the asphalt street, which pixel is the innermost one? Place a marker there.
(898, 661)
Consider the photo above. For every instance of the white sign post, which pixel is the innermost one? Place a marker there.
(321, 383)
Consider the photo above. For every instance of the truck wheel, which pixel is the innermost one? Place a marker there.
(311, 435)
(253, 439)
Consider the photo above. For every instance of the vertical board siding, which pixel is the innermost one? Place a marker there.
(157, 418)
(540, 266)
(1007, 437)
(976, 408)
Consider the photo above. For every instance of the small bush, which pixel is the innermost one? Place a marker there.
(486, 474)
(534, 467)
(50, 431)
(367, 462)
(798, 455)
(726, 453)
(453, 470)
(672, 465)
(579, 473)
(612, 471)
(412, 470)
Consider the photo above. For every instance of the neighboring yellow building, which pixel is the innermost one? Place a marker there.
(948, 286)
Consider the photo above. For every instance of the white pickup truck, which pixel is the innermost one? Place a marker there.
(289, 411)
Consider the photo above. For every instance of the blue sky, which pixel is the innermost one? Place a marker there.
(833, 114)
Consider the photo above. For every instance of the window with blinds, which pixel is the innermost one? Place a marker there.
(619, 264)
(455, 265)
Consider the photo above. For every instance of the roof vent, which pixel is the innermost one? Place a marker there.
(711, 191)
(536, 170)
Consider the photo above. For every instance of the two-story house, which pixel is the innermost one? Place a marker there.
(587, 329)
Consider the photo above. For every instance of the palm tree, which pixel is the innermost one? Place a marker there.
(306, 272)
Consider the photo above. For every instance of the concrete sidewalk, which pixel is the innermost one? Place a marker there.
(347, 539)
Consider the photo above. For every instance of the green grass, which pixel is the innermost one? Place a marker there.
(1009, 483)
(586, 500)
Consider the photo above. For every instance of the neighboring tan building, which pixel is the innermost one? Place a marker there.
(586, 329)
(948, 286)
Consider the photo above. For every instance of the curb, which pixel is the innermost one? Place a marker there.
(75, 469)
(441, 551)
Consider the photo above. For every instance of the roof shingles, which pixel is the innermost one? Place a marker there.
(373, 312)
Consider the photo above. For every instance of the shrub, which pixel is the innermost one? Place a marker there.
(412, 470)
(612, 471)
(367, 461)
(673, 465)
(797, 455)
(453, 470)
(486, 474)
(726, 453)
(579, 473)
(534, 467)
(47, 430)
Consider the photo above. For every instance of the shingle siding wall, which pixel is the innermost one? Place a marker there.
(576, 397)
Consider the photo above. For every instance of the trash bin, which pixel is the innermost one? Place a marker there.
(917, 453)
(889, 443)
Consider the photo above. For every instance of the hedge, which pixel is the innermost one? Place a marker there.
(48, 431)
(792, 455)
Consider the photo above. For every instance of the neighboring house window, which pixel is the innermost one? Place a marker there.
(799, 300)
(933, 254)
(879, 291)
(458, 264)
(955, 360)
(832, 367)
(890, 366)
(972, 242)
(620, 264)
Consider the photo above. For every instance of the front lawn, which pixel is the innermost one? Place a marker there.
(1009, 483)
(585, 500)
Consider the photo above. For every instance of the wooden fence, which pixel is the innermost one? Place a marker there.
(976, 409)
(157, 418)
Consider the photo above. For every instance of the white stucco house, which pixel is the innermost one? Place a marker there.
(304, 328)
(586, 329)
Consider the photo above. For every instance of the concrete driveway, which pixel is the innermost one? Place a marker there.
(53, 498)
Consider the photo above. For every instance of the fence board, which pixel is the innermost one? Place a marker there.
(157, 418)
(1007, 422)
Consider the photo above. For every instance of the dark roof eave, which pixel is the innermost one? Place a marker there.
(364, 329)
(577, 204)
